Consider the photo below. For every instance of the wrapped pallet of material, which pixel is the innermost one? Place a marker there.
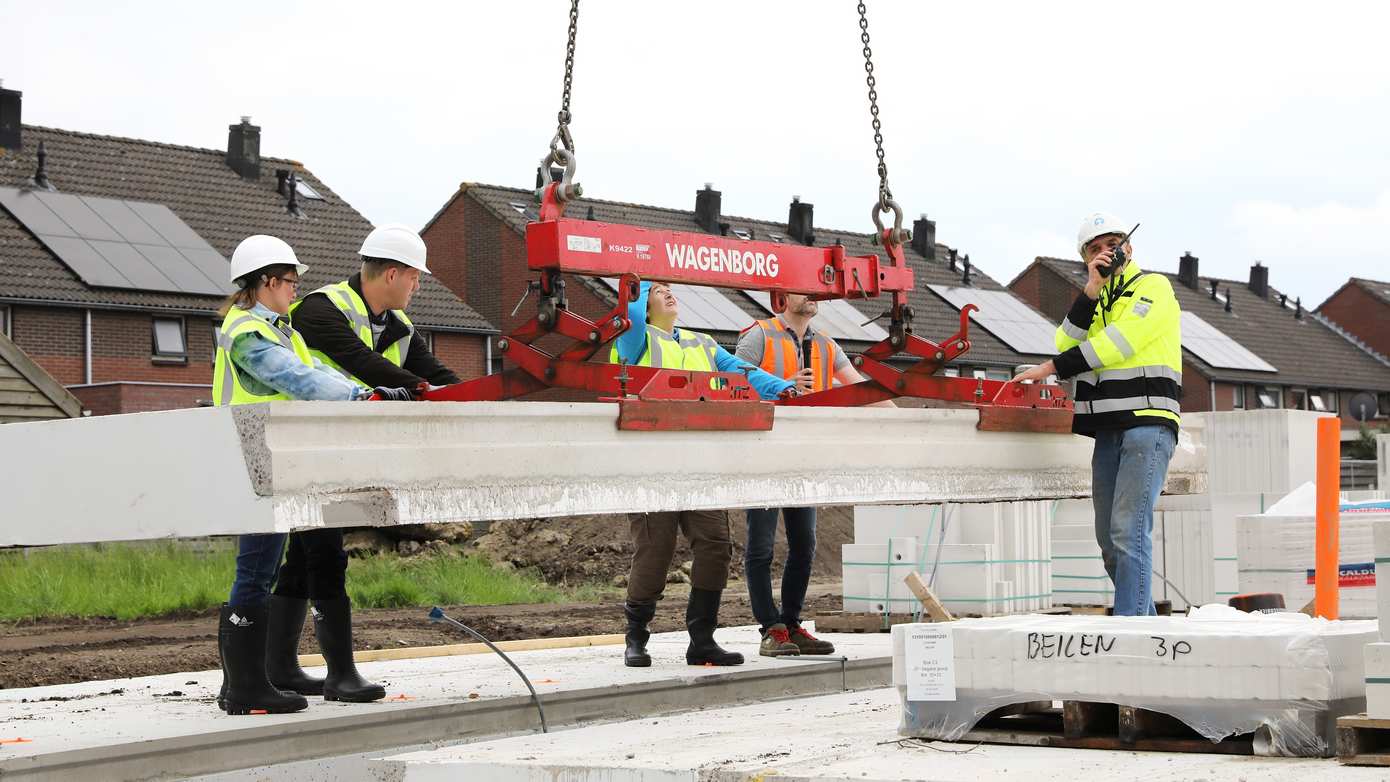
(1276, 551)
(1377, 656)
(1285, 677)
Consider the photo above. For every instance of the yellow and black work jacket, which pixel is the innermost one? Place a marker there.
(1125, 352)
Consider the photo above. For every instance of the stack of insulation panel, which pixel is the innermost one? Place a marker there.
(1277, 550)
(1378, 652)
(980, 559)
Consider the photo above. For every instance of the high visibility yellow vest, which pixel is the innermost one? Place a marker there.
(692, 351)
(1134, 348)
(359, 317)
(228, 387)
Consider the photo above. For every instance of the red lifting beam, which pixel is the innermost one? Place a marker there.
(665, 399)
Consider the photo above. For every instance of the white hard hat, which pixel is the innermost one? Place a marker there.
(1098, 224)
(396, 242)
(259, 251)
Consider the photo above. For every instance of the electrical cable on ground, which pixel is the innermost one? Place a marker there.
(437, 615)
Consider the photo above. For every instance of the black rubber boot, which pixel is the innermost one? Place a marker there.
(333, 626)
(243, 633)
(701, 618)
(286, 622)
(639, 615)
(222, 659)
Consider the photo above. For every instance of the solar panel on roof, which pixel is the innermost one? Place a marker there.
(835, 318)
(1006, 317)
(702, 308)
(113, 243)
(1217, 349)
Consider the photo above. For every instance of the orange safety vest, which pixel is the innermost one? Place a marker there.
(780, 354)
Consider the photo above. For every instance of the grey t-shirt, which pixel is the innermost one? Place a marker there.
(750, 348)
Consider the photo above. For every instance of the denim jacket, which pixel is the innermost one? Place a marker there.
(269, 366)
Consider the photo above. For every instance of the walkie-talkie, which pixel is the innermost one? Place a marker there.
(1118, 260)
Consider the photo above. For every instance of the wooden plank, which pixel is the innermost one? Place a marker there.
(10, 373)
(935, 610)
(15, 384)
(43, 382)
(1084, 718)
(26, 397)
(1363, 741)
(1141, 724)
(841, 622)
(32, 411)
(447, 650)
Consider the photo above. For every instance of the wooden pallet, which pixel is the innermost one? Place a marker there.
(1363, 741)
(842, 622)
(1088, 725)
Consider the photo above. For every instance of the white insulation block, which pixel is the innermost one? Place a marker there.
(1276, 554)
(1377, 656)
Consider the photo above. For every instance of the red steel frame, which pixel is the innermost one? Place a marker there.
(648, 395)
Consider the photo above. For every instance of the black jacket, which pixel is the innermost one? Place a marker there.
(326, 330)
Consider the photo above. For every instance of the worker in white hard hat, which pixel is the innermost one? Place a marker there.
(359, 327)
(1122, 343)
(261, 358)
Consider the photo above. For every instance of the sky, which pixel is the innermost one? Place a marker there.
(1238, 131)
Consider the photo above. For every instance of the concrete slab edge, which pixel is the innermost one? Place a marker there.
(400, 726)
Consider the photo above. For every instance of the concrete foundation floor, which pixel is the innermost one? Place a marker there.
(849, 736)
(168, 725)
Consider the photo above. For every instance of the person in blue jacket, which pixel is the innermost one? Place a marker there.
(654, 340)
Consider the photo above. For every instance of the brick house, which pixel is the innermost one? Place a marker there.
(1245, 344)
(127, 335)
(477, 247)
(1362, 308)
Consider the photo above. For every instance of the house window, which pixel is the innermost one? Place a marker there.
(1269, 397)
(1238, 397)
(951, 371)
(4, 320)
(1324, 401)
(1383, 402)
(428, 337)
(1298, 399)
(741, 233)
(306, 190)
(998, 374)
(168, 339)
(978, 374)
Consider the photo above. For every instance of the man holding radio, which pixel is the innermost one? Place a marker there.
(1122, 343)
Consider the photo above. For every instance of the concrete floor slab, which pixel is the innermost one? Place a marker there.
(168, 725)
(848, 736)
(296, 465)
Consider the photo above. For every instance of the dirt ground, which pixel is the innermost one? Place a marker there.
(584, 550)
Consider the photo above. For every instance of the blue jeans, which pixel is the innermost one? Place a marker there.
(257, 562)
(1128, 470)
(757, 563)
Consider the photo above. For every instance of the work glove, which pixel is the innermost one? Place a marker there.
(384, 394)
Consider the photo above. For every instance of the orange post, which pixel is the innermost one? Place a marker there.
(1329, 475)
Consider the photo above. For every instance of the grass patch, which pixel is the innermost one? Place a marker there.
(165, 578)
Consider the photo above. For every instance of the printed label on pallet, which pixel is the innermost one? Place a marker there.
(931, 663)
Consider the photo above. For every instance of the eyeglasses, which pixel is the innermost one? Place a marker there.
(291, 281)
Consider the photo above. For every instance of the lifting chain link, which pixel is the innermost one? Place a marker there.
(562, 145)
(885, 193)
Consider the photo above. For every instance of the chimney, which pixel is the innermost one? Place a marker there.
(282, 176)
(1259, 280)
(1187, 271)
(1228, 299)
(40, 178)
(9, 119)
(799, 224)
(1298, 308)
(924, 237)
(1213, 290)
(965, 264)
(244, 149)
(707, 209)
(952, 263)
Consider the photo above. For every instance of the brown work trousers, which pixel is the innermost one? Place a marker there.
(654, 544)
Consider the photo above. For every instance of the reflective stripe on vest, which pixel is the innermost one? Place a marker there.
(355, 310)
(227, 387)
(780, 354)
(692, 351)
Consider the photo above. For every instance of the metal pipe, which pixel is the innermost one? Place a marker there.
(87, 341)
(487, 356)
(1213, 396)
